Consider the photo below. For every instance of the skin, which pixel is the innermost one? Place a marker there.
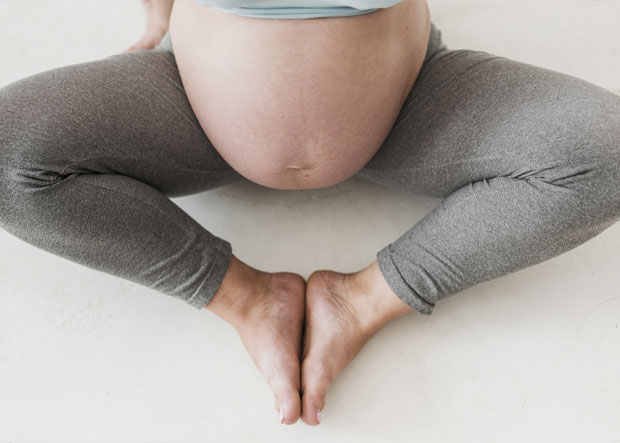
(157, 20)
(298, 104)
(300, 334)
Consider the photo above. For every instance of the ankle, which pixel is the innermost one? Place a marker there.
(381, 302)
(231, 301)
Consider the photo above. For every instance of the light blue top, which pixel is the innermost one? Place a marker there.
(297, 8)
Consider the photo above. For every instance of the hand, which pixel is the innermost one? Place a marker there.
(155, 29)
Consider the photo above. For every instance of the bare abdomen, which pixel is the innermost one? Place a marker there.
(298, 103)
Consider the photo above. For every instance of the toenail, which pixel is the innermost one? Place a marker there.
(318, 416)
(281, 415)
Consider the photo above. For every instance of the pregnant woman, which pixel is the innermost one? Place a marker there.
(526, 159)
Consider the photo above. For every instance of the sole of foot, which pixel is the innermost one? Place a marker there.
(343, 311)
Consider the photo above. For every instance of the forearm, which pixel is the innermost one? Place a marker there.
(157, 23)
(162, 10)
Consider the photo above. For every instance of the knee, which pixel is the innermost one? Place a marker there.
(581, 163)
(13, 195)
(597, 157)
(600, 147)
(34, 126)
(24, 200)
(24, 147)
(9, 200)
(9, 146)
(604, 195)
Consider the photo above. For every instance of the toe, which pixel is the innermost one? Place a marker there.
(312, 404)
(315, 383)
(286, 401)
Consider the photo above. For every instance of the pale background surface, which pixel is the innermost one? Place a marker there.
(88, 357)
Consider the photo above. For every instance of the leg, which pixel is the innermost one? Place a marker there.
(271, 310)
(528, 161)
(89, 155)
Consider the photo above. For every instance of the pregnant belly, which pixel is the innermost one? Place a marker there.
(298, 103)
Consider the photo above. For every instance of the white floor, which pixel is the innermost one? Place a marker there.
(532, 356)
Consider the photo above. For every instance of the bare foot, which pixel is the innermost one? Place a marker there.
(343, 311)
(267, 310)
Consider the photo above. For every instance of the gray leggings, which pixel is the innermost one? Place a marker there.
(526, 159)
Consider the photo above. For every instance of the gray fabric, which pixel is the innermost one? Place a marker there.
(526, 159)
(89, 154)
